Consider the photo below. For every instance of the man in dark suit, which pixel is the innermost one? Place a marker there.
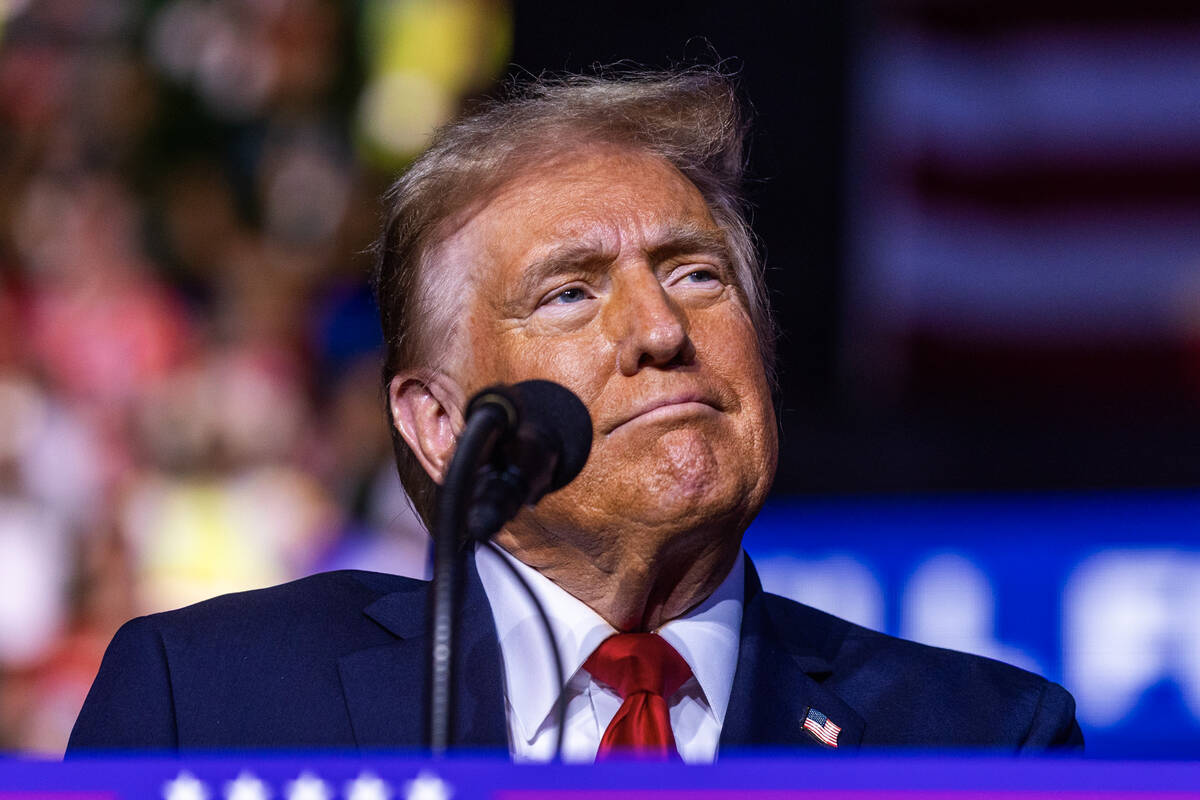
(588, 232)
(337, 661)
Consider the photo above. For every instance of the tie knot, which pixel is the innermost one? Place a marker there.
(638, 662)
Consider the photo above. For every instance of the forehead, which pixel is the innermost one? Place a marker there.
(602, 196)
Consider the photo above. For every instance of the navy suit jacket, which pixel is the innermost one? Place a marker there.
(337, 661)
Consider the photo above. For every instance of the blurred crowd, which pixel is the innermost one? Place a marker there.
(189, 351)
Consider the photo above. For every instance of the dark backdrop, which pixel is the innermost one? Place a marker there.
(954, 412)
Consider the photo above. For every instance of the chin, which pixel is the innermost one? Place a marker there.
(689, 473)
(681, 480)
(679, 505)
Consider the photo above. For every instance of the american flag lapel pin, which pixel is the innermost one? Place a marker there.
(821, 727)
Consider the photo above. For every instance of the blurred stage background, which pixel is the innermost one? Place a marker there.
(982, 229)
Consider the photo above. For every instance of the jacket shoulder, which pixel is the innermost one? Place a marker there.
(916, 695)
(322, 602)
(239, 670)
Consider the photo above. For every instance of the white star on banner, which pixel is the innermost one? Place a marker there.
(246, 787)
(427, 786)
(185, 786)
(308, 787)
(368, 787)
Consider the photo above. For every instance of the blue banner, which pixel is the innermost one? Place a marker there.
(1099, 592)
(324, 777)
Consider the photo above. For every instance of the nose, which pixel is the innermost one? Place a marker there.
(648, 326)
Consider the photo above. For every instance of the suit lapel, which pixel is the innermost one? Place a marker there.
(779, 678)
(385, 686)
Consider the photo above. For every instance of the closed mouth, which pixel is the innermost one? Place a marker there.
(665, 408)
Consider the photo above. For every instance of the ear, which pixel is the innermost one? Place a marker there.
(427, 410)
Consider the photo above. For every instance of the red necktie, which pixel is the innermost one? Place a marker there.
(644, 670)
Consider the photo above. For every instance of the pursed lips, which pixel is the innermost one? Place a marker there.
(663, 406)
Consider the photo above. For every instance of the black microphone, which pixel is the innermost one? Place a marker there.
(544, 440)
(519, 442)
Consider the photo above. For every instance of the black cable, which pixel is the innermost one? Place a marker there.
(560, 705)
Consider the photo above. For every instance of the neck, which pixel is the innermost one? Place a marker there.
(632, 590)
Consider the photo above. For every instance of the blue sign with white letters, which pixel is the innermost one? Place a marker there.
(1099, 592)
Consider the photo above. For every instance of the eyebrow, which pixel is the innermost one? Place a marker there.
(687, 239)
(589, 258)
(577, 257)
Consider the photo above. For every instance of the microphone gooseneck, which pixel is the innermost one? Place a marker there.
(478, 436)
(518, 443)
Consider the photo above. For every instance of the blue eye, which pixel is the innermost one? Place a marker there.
(572, 295)
(701, 276)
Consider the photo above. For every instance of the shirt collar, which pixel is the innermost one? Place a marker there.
(707, 637)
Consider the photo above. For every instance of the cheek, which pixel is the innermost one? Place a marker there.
(482, 361)
(578, 361)
(730, 347)
(726, 343)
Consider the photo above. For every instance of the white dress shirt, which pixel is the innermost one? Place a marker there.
(707, 637)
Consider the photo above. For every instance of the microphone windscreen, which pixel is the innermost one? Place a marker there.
(556, 413)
